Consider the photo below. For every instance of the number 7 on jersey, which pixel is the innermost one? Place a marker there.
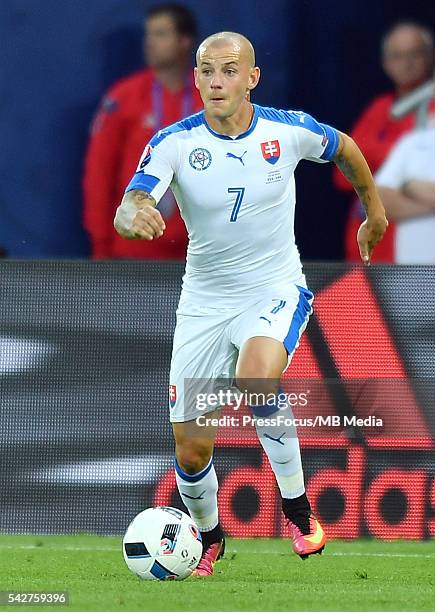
(240, 191)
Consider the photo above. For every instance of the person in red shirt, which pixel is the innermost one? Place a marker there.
(134, 109)
(408, 60)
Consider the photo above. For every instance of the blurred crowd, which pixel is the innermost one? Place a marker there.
(130, 113)
(396, 133)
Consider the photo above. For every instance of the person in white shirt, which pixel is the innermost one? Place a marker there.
(406, 183)
(244, 302)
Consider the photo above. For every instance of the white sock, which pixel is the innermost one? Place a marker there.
(199, 494)
(281, 445)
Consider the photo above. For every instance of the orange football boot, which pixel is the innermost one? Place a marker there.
(209, 557)
(310, 543)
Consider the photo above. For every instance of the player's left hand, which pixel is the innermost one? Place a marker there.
(369, 234)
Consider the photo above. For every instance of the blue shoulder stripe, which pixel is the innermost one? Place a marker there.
(306, 121)
(186, 124)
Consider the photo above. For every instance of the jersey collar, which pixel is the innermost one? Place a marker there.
(250, 129)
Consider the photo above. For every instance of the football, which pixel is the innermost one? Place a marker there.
(162, 543)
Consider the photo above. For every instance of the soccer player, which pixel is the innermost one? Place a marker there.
(244, 301)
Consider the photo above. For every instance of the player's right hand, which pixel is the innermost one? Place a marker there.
(147, 224)
(134, 224)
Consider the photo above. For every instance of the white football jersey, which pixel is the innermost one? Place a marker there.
(237, 198)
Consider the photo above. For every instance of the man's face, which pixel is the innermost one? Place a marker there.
(407, 60)
(224, 75)
(163, 45)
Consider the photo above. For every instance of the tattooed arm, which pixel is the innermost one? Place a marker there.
(137, 217)
(352, 164)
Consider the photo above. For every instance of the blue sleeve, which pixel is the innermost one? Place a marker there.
(333, 141)
(326, 136)
(145, 182)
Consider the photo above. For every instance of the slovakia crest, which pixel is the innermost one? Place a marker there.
(172, 395)
(271, 151)
(200, 159)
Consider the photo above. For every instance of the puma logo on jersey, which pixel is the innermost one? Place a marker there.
(302, 116)
(237, 157)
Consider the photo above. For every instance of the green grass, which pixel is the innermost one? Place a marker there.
(254, 575)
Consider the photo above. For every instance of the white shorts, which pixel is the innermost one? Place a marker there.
(207, 341)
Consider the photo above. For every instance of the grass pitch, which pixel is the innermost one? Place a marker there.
(254, 575)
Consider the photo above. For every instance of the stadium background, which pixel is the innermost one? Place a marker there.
(84, 358)
(86, 442)
(58, 58)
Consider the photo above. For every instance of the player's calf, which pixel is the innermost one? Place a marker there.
(199, 494)
(198, 485)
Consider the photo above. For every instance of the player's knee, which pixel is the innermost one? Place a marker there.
(257, 375)
(257, 381)
(192, 457)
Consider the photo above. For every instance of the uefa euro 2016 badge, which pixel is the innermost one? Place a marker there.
(271, 151)
(145, 159)
(200, 159)
(172, 395)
